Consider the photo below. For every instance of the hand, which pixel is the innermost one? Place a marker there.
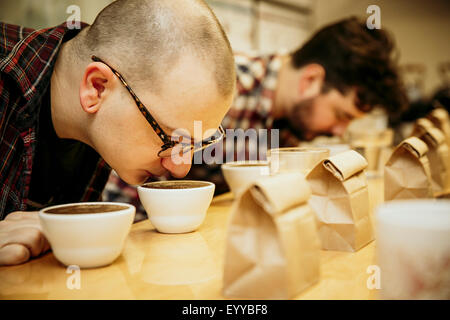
(21, 238)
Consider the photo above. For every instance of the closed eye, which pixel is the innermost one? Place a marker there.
(343, 116)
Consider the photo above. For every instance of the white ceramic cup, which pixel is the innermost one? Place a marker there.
(295, 159)
(87, 240)
(176, 210)
(413, 249)
(240, 174)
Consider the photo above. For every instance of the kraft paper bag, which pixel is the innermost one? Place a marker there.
(340, 200)
(438, 153)
(421, 126)
(441, 120)
(407, 173)
(272, 247)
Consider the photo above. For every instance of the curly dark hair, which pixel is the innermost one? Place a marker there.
(354, 56)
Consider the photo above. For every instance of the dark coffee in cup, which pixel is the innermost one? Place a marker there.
(86, 208)
(175, 185)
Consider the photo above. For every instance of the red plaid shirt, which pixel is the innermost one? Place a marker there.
(257, 79)
(27, 58)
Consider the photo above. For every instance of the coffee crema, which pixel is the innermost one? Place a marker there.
(86, 208)
(176, 185)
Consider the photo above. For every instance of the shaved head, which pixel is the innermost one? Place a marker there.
(144, 40)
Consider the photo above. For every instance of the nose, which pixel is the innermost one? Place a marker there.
(178, 169)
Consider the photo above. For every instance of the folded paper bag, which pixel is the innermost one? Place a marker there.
(345, 165)
(438, 153)
(407, 173)
(272, 247)
(421, 126)
(441, 120)
(340, 201)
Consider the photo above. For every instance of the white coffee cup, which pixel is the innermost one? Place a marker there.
(87, 240)
(413, 249)
(175, 209)
(240, 174)
(295, 159)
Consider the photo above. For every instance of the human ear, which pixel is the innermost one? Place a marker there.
(97, 81)
(311, 80)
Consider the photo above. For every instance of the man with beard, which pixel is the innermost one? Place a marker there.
(342, 72)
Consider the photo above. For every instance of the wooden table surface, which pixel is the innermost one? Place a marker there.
(182, 266)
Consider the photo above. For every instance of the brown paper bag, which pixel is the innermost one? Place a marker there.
(421, 126)
(441, 120)
(340, 200)
(407, 173)
(273, 250)
(438, 158)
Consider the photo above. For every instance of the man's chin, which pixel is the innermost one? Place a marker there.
(136, 179)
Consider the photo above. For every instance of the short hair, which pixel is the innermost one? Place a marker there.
(354, 56)
(144, 38)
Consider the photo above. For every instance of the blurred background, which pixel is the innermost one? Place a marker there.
(420, 27)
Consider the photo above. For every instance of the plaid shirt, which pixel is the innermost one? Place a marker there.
(27, 58)
(252, 108)
(257, 79)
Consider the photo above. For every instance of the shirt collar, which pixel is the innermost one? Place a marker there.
(32, 59)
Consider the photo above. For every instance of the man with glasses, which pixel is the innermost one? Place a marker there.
(76, 103)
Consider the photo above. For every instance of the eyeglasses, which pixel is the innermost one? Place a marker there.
(172, 145)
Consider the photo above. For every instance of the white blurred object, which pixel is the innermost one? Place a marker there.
(373, 144)
(265, 26)
(377, 119)
(413, 249)
(372, 138)
(303, 160)
(334, 148)
(240, 174)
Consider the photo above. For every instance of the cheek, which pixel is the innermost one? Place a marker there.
(129, 153)
(142, 157)
(138, 146)
(322, 117)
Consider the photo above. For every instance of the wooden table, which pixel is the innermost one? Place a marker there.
(183, 266)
